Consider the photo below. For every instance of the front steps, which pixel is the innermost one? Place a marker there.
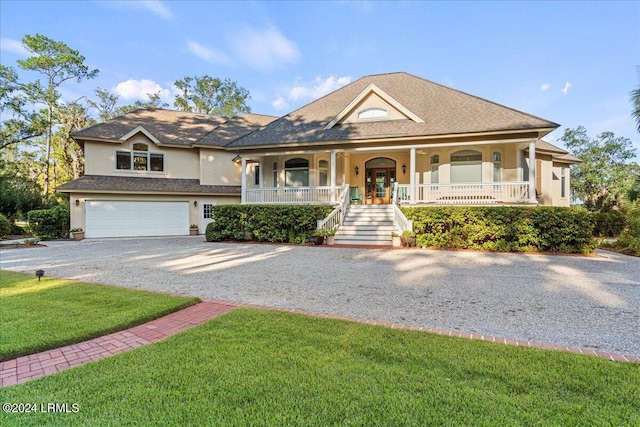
(369, 225)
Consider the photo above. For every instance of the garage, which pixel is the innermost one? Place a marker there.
(114, 218)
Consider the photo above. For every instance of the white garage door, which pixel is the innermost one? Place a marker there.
(105, 218)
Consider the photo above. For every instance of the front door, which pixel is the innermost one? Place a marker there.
(379, 180)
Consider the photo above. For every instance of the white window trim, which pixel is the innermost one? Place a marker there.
(132, 154)
(373, 113)
(285, 169)
(564, 182)
(493, 165)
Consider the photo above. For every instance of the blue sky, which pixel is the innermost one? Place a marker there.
(573, 63)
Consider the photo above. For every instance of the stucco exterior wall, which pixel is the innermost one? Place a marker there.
(218, 168)
(178, 162)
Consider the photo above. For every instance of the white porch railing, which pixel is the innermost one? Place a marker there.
(399, 220)
(335, 218)
(480, 193)
(294, 195)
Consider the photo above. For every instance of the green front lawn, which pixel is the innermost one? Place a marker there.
(36, 316)
(258, 367)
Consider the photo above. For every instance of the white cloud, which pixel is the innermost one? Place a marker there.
(545, 86)
(280, 104)
(13, 46)
(566, 87)
(213, 56)
(264, 49)
(318, 88)
(138, 89)
(157, 7)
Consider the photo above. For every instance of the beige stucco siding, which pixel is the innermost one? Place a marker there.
(218, 168)
(78, 216)
(178, 162)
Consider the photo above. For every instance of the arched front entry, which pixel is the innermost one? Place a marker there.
(380, 175)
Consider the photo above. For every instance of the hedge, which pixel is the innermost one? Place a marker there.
(504, 229)
(5, 226)
(49, 223)
(608, 224)
(278, 223)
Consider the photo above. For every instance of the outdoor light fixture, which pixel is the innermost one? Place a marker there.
(404, 169)
(195, 203)
(357, 170)
(77, 202)
(39, 274)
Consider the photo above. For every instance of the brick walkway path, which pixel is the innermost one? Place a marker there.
(24, 368)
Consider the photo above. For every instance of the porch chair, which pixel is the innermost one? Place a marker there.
(354, 195)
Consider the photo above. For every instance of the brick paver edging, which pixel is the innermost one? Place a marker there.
(520, 343)
(25, 368)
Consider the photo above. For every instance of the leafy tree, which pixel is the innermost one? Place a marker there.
(606, 172)
(153, 102)
(58, 63)
(209, 95)
(635, 101)
(67, 154)
(18, 182)
(22, 126)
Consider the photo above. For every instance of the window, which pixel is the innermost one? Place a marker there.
(256, 175)
(275, 174)
(563, 182)
(466, 166)
(323, 172)
(497, 166)
(296, 173)
(140, 159)
(123, 160)
(434, 162)
(372, 113)
(207, 211)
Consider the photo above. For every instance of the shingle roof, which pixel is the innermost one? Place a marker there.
(445, 111)
(234, 128)
(104, 183)
(556, 152)
(177, 127)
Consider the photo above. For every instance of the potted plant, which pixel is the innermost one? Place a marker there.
(408, 238)
(396, 240)
(77, 234)
(193, 230)
(331, 236)
(317, 238)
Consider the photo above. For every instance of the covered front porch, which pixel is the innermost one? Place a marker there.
(497, 172)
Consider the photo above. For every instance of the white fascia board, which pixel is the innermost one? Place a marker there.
(372, 88)
(140, 129)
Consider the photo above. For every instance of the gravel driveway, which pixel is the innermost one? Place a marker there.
(587, 302)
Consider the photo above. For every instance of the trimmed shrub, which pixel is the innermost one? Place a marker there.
(278, 223)
(5, 226)
(49, 223)
(629, 240)
(504, 229)
(608, 224)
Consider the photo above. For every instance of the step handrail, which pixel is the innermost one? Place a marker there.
(401, 222)
(336, 217)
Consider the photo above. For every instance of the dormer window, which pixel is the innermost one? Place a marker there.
(139, 159)
(372, 113)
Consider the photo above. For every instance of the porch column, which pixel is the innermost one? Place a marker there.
(532, 172)
(243, 179)
(412, 176)
(261, 177)
(333, 176)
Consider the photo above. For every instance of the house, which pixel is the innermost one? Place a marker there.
(391, 139)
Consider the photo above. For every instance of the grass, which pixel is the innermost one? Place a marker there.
(37, 316)
(258, 367)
